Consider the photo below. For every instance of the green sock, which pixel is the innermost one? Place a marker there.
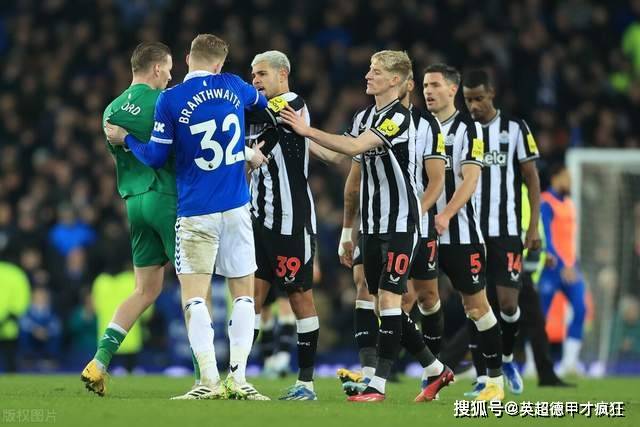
(196, 367)
(109, 344)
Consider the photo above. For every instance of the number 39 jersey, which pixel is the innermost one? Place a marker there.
(203, 118)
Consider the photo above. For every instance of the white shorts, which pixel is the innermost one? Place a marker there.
(221, 239)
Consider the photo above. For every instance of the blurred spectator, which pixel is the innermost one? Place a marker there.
(70, 232)
(626, 331)
(14, 301)
(83, 329)
(40, 332)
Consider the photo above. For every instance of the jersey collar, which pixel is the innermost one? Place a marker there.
(386, 107)
(197, 73)
(450, 118)
(490, 122)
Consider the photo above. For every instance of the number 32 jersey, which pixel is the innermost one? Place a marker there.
(203, 118)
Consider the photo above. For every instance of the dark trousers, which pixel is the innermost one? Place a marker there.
(8, 352)
(532, 325)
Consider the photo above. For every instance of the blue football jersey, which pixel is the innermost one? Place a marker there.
(203, 118)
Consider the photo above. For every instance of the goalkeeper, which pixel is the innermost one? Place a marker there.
(150, 196)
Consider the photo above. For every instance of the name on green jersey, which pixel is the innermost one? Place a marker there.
(130, 108)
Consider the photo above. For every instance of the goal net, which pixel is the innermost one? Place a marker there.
(606, 192)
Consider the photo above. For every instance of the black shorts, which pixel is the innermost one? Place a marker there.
(504, 261)
(425, 263)
(387, 260)
(465, 266)
(285, 261)
(357, 252)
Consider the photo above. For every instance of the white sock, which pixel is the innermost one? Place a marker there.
(378, 383)
(368, 371)
(507, 359)
(432, 370)
(307, 384)
(482, 379)
(499, 381)
(241, 327)
(571, 351)
(200, 335)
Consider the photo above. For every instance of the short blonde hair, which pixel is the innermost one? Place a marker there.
(394, 61)
(210, 48)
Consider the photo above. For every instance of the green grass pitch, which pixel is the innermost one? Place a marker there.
(143, 401)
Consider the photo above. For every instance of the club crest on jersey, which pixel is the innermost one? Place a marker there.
(495, 158)
(504, 137)
(277, 104)
(388, 127)
(158, 127)
(448, 162)
(450, 139)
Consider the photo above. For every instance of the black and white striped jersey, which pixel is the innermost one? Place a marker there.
(507, 143)
(281, 199)
(463, 144)
(429, 145)
(388, 193)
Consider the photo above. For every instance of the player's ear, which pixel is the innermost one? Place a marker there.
(187, 59)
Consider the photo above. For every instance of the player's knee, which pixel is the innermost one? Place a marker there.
(427, 298)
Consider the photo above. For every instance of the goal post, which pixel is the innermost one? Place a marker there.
(605, 186)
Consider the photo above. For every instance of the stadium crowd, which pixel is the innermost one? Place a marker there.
(571, 67)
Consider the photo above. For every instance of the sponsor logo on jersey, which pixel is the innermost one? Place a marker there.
(477, 149)
(388, 127)
(440, 144)
(533, 147)
(495, 158)
(158, 127)
(380, 150)
(277, 104)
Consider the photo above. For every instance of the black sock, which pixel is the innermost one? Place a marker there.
(256, 332)
(286, 337)
(389, 338)
(307, 346)
(476, 355)
(412, 341)
(432, 330)
(510, 332)
(490, 344)
(366, 334)
(267, 344)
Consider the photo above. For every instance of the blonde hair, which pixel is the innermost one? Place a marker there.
(394, 61)
(209, 48)
(274, 58)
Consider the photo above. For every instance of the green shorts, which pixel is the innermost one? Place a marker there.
(152, 220)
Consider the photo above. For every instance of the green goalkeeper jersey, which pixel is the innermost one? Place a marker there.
(134, 110)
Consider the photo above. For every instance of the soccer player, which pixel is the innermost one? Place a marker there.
(424, 268)
(150, 197)
(510, 152)
(383, 140)
(201, 121)
(424, 271)
(462, 250)
(561, 272)
(284, 221)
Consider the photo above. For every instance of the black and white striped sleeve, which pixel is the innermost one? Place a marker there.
(393, 127)
(473, 148)
(527, 149)
(434, 147)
